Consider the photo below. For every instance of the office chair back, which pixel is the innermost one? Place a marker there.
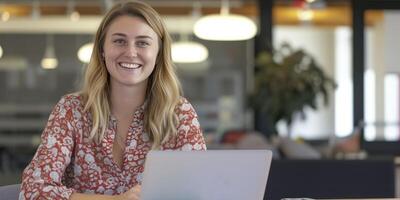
(9, 192)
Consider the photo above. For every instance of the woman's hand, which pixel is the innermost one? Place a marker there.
(131, 194)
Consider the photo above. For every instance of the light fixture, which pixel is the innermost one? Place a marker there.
(74, 16)
(49, 60)
(72, 12)
(5, 16)
(225, 26)
(1, 51)
(305, 14)
(188, 52)
(85, 52)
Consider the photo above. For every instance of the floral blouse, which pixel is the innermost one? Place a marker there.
(66, 161)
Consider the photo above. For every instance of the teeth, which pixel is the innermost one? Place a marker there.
(129, 65)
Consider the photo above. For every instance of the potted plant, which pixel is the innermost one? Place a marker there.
(286, 82)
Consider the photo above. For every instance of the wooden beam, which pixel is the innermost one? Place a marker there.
(283, 14)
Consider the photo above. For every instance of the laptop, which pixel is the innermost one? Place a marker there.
(206, 175)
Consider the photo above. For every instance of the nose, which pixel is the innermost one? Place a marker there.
(132, 51)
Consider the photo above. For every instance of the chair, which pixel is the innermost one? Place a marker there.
(9, 192)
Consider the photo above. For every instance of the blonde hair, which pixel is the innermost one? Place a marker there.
(163, 89)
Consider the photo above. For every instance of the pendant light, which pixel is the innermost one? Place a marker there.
(85, 52)
(186, 50)
(72, 12)
(225, 26)
(49, 60)
(5, 16)
(1, 51)
(307, 8)
(305, 13)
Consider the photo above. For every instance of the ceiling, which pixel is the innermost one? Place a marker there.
(165, 7)
(177, 13)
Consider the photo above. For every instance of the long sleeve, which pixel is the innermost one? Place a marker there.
(42, 178)
(190, 136)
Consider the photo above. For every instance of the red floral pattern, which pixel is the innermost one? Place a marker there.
(66, 161)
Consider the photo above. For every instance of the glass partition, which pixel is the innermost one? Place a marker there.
(381, 76)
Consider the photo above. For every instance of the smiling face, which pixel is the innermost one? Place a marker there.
(130, 51)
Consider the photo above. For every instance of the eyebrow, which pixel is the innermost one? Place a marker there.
(139, 36)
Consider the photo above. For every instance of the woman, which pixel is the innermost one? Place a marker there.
(95, 142)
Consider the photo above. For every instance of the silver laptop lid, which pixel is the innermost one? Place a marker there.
(206, 175)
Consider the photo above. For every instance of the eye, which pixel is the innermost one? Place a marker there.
(119, 41)
(142, 44)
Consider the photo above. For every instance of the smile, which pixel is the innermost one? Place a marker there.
(130, 65)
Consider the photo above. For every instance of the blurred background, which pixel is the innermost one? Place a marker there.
(309, 79)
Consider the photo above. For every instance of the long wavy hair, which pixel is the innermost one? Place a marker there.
(163, 90)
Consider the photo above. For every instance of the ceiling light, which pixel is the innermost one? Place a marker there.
(188, 52)
(49, 63)
(85, 52)
(49, 60)
(73, 14)
(5, 16)
(305, 14)
(225, 26)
